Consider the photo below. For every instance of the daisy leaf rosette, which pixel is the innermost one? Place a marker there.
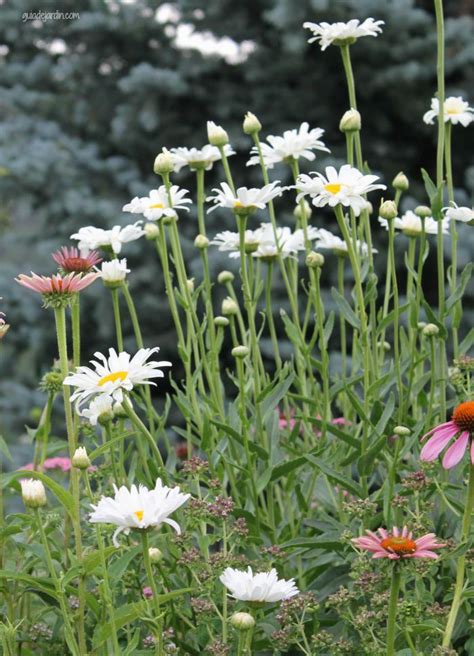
(262, 587)
(115, 375)
(139, 508)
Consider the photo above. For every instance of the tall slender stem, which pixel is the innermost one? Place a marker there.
(118, 322)
(155, 598)
(454, 238)
(392, 609)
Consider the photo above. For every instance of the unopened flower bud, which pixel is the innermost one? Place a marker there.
(351, 121)
(388, 210)
(420, 325)
(216, 135)
(302, 207)
(223, 322)
(242, 621)
(163, 163)
(229, 307)
(33, 493)
(155, 554)
(190, 285)
(401, 431)
(80, 459)
(225, 277)
(201, 242)
(431, 330)
(251, 124)
(400, 182)
(240, 352)
(385, 345)
(314, 260)
(152, 231)
(423, 211)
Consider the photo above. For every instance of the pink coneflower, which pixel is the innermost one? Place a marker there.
(70, 260)
(59, 462)
(460, 427)
(396, 545)
(56, 284)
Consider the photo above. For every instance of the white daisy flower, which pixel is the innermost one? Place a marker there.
(285, 242)
(463, 214)
(410, 224)
(114, 375)
(293, 144)
(328, 241)
(261, 587)
(229, 241)
(139, 508)
(340, 34)
(114, 271)
(100, 406)
(157, 204)
(91, 238)
(346, 187)
(456, 110)
(198, 157)
(244, 200)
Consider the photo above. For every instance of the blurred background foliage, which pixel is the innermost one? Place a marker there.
(86, 104)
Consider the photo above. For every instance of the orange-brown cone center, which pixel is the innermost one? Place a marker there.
(399, 545)
(463, 416)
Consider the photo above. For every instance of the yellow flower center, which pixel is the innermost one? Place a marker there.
(157, 206)
(399, 545)
(453, 111)
(139, 514)
(237, 203)
(333, 188)
(113, 377)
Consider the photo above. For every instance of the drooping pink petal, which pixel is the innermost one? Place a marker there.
(437, 428)
(436, 444)
(456, 451)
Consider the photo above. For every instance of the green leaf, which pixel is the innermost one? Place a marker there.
(345, 309)
(287, 467)
(343, 481)
(255, 448)
(63, 496)
(38, 584)
(461, 286)
(279, 391)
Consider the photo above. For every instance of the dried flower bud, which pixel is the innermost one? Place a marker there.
(80, 459)
(401, 431)
(33, 493)
(388, 210)
(298, 211)
(240, 352)
(314, 260)
(163, 163)
(251, 124)
(152, 231)
(400, 182)
(431, 330)
(229, 307)
(155, 554)
(201, 242)
(223, 322)
(423, 211)
(242, 621)
(225, 277)
(351, 121)
(216, 135)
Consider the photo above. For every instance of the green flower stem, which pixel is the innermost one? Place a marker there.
(454, 237)
(107, 434)
(118, 322)
(240, 319)
(432, 380)
(269, 312)
(139, 425)
(396, 328)
(225, 164)
(461, 564)
(346, 60)
(45, 427)
(392, 609)
(139, 339)
(107, 597)
(155, 598)
(411, 262)
(342, 322)
(224, 591)
(68, 630)
(76, 330)
(60, 319)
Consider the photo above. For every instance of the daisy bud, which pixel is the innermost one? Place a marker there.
(52, 382)
(314, 260)
(430, 330)
(251, 124)
(385, 345)
(298, 211)
(423, 211)
(155, 554)
(80, 459)
(152, 231)
(351, 121)
(216, 135)
(190, 285)
(163, 163)
(242, 621)
(201, 242)
(369, 207)
(225, 277)
(400, 182)
(223, 322)
(388, 210)
(113, 273)
(420, 325)
(229, 307)
(240, 352)
(33, 493)
(401, 431)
